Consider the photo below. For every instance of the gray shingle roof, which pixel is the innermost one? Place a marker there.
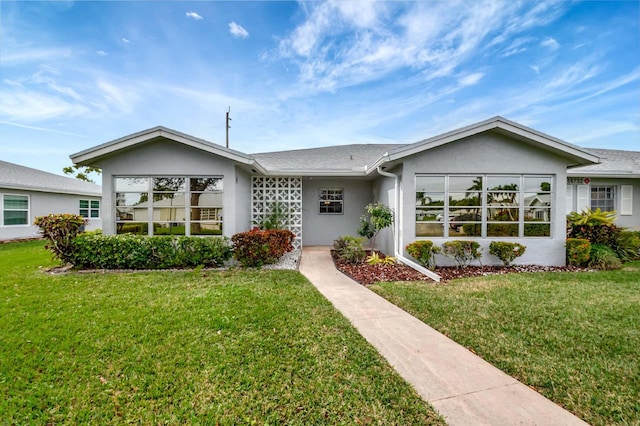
(14, 176)
(612, 162)
(330, 158)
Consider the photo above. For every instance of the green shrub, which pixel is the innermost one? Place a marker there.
(506, 251)
(462, 252)
(604, 258)
(59, 230)
(257, 247)
(578, 251)
(596, 234)
(424, 251)
(349, 249)
(129, 251)
(628, 246)
(590, 217)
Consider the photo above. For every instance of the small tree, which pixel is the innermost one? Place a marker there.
(81, 172)
(378, 217)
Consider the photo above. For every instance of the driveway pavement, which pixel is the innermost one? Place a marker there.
(463, 388)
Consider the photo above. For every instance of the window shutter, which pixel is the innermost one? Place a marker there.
(626, 200)
(569, 198)
(584, 199)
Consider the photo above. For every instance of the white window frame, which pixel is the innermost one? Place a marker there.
(613, 199)
(484, 221)
(89, 209)
(2, 210)
(187, 203)
(322, 192)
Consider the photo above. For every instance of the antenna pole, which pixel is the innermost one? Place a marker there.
(228, 126)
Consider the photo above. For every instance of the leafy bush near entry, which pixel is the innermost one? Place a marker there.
(578, 251)
(506, 251)
(604, 258)
(628, 246)
(591, 217)
(378, 217)
(463, 252)
(596, 234)
(257, 247)
(128, 251)
(60, 230)
(424, 251)
(349, 249)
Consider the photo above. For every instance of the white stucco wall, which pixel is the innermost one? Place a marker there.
(323, 229)
(168, 158)
(243, 201)
(626, 221)
(492, 153)
(40, 204)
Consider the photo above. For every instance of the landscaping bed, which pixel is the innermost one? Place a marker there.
(367, 274)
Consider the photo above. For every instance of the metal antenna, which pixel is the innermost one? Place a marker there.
(228, 127)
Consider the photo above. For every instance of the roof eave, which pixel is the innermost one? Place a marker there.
(86, 157)
(577, 154)
(50, 190)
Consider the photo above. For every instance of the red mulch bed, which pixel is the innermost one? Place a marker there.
(368, 274)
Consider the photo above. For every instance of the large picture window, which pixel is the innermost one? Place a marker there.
(168, 205)
(483, 206)
(15, 210)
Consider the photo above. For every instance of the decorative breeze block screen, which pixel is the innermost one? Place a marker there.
(285, 193)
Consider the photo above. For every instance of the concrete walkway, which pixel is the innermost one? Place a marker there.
(463, 388)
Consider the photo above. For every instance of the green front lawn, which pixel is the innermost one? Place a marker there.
(575, 337)
(221, 347)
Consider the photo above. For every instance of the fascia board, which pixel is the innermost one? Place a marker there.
(495, 123)
(633, 174)
(51, 190)
(322, 173)
(86, 156)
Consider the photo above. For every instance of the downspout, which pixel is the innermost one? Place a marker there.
(397, 235)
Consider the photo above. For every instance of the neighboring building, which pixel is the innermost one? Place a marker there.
(492, 180)
(613, 184)
(26, 193)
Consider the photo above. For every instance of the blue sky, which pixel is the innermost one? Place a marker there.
(306, 74)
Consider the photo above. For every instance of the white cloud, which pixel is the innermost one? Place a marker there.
(550, 43)
(193, 15)
(101, 53)
(124, 40)
(344, 44)
(32, 106)
(34, 55)
(535, 68)
(237, 30)
(470, 79)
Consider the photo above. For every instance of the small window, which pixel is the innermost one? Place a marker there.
(603, 198)
(15, 210)
(90, 208)
(331, 201)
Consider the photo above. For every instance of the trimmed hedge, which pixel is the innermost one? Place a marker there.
(128, 251)
(424, 251)
(578, 251)
(261, 247)
(462, 251)
(505, 251)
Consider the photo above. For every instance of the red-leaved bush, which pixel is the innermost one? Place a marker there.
(258, 247)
